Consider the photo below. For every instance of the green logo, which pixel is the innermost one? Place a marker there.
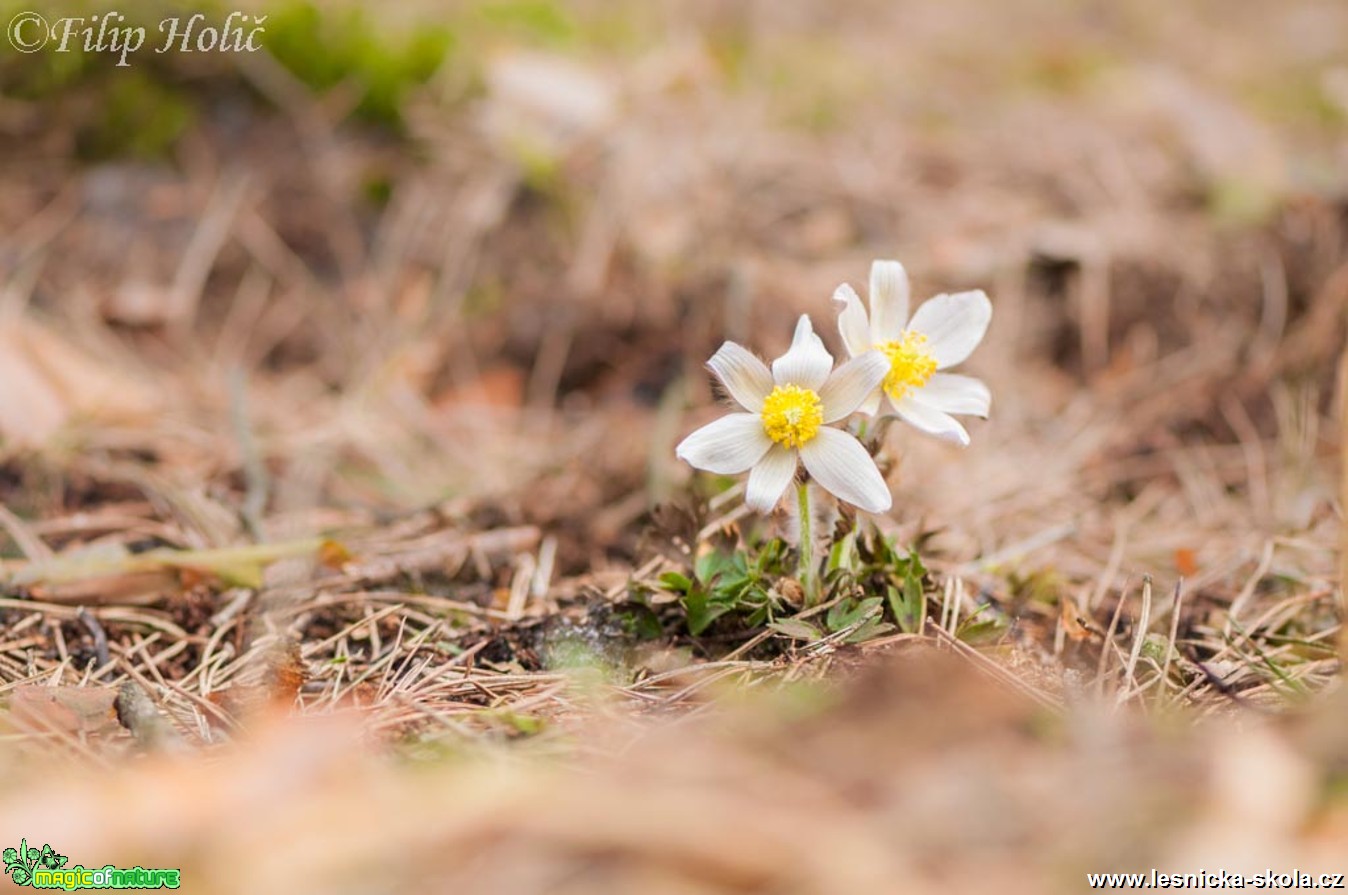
(45, 869)
(22, 862)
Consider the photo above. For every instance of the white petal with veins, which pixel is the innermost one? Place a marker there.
(745, 376)
(807, 362)
(932, 421)
(840, 465)
(852, 324)
(727, 446)
(889, 300)
(954, 393)
(769, 478)
(851, 384)
(953, 325)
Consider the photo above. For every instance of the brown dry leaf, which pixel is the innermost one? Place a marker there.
(286, 674)
(125, 589)
(271, 686)
(108, 573)
(45, 381)
(72, 710)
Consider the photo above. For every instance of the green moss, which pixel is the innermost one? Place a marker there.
(137, 116)
(345, 46)
(137, 110)
(142, 109)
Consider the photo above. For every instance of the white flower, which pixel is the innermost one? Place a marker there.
(789, 412)
(943, 332)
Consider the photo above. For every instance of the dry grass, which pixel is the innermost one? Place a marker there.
(349, 505)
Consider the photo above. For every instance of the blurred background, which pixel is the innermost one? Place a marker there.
(452, 270)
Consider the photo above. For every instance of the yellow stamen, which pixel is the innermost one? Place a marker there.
(910, 365)
(792, 415)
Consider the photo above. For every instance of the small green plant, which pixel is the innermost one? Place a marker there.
(870, 588)
(730, 582)
(877, 566)
(857, 619)
(980, 627)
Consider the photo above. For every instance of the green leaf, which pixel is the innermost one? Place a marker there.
(708, 566)
(898, 607)
(849, 612)
(909, 603)
(797, 629)
(677, 582)
(769, 559)
(702, 611)
(842, 555)
(976, 630)
(869, 631)
(915, 567)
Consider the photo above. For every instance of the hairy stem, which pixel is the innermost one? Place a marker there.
(809, 567)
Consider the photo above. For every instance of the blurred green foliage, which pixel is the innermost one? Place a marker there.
(539, 21)
(333, 45)
(138, 116)
(143, 108)
(137, 110)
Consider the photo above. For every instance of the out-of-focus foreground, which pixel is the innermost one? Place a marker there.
(339, 385)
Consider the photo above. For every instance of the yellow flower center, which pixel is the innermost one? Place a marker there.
(910, 364)
(792, 415)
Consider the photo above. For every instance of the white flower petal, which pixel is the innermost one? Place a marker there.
(852, 323)
(871, 406)
(746, 377)
(807, 362)
(889, 300)
(953, 325)
(851, 384)
(769, 478)
(953, 393)
(728, 446)
(932, 421)
(841, 465)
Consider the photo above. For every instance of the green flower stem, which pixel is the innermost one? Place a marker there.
(809, 568)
